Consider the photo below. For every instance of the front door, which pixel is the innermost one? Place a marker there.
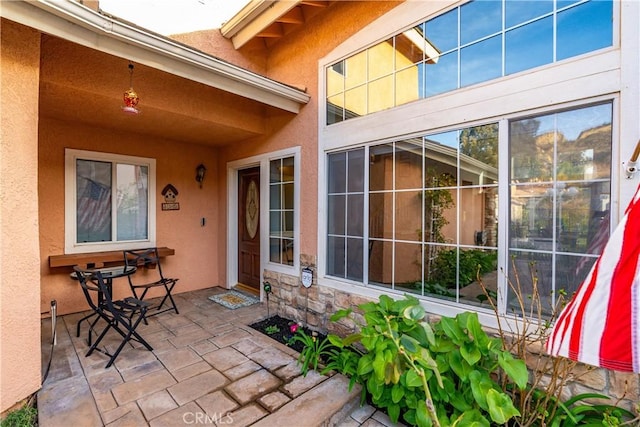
(249, 228)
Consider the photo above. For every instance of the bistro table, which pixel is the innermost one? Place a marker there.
(108, 274)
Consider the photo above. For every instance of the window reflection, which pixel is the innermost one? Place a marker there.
(529, 46)
(481, 61)
(479, 19)
(438, 55)
(281, 209)
(433, 209)
(521, 11)
(584, 28)
(345, 214)
(560, 195)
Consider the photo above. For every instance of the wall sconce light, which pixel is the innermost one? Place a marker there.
(200, 171)
(130, 96)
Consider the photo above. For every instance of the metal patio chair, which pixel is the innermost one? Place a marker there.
(123, 316)
(148, 262)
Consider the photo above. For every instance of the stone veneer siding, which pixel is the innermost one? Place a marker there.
(314, 306)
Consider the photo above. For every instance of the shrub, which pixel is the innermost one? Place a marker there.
(440, 375)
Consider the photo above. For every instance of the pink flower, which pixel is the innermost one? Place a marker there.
(293, 328)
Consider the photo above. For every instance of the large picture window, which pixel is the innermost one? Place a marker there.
(475, 42)
(109, 201)
(432, 207)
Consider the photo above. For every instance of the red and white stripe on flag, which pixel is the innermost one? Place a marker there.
(601, 324)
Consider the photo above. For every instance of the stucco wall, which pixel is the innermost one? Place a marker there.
(19, 278)
(294, 60)
(197, 262)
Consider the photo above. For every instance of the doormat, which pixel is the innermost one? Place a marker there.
(234, 299)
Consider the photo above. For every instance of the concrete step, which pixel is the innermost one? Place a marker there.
(326, 404)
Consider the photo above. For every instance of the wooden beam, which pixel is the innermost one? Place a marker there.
(68, 260)
(272, 31)
(315, 3)
(294, 16)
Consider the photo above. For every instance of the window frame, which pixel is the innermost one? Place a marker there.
(70, 210)
(265, 184)
(281, 210)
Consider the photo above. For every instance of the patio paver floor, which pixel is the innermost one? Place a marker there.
(207, 367)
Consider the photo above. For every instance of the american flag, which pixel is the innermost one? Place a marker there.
(601, 324)
(94, 208)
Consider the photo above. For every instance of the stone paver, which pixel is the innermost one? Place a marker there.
(188, 414)
(372, 423)
(245, 416)
(247, 346)
(68, 402)
(197, 386)
(230, 338)
(217, 403)
(156, 404)
(225, 358)
(272, 358)
(384, 419)
(188, 338)
(191, 370)
(303, 383)
(132, 357)
(362, 413)
(178, 358)
(273, 401)
(142, 386)
(101, 386)
(204, 347)
(121, 414)
(289, 372)
(207, 367)
(141, 370)
(242, 370)
(317, 405)
(250, 388)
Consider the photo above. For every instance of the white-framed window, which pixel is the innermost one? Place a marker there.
(420, 215)
(282, 210)
(457, 49)
(109, 201)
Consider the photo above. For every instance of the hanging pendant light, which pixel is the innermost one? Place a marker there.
(130, 96)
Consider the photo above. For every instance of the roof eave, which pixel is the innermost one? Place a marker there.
(75, 22)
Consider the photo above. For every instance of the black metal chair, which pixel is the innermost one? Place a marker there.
(123, 316)
(148, 261)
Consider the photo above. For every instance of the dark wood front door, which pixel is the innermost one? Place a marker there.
(249, 228)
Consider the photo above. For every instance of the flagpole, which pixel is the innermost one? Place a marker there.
(631, 166)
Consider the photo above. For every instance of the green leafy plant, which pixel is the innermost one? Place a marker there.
(27, 416)
(314, 352)
(440, 374)
(540, 403)
(577, 412)
(272, 329)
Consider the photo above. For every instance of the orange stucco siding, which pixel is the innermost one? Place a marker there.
(294, 60)
(19, 274)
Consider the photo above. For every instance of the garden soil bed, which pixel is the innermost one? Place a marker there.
(280, 329)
